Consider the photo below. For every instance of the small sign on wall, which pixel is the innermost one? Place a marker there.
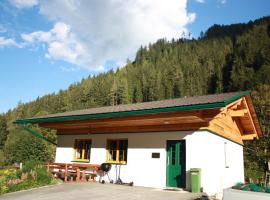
(155, 155)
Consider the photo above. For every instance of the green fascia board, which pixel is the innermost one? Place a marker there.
(121, 114)
(134, 112)
(36, 134)
(230, 100)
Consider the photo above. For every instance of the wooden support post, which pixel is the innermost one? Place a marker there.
(66, 171)
(83, 176)
(93, 177)
(78, 178)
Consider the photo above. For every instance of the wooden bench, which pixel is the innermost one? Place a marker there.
(68, 172)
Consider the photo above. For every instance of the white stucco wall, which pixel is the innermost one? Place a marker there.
(206, 150)
(203, 150)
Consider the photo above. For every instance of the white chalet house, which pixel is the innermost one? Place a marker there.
(155, 144)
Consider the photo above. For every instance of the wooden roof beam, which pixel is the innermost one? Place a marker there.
(238, 113)
(134, 129)
(251, 119)
(234, 105)
(154, 121)
(249, 136)
(219, 129)
(197, 114)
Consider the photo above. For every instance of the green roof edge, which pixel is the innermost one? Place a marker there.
(37, 135)
(135, 112)
(233, 98)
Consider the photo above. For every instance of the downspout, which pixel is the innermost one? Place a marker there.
(36, 134)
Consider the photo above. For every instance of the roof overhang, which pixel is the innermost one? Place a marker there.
(187, 117)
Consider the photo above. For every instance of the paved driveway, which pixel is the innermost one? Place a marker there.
(97, 191)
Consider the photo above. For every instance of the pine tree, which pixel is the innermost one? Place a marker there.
(3, 131)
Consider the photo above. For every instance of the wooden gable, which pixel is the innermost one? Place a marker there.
(237, 121)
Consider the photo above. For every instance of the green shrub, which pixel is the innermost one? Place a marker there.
(12, 175)
(2, 158)
(8, 171)
(253, 172)
(26, 147)
(29, 183)
(238, 186)
(255, 188)
(43, 177)
(33, 174)
(3, 187)
(38, 172)
(246, 188)
(31, 165)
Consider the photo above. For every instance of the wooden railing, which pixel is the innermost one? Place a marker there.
(74, 171)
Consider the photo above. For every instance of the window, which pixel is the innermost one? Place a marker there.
(117, 151)
(82, 150)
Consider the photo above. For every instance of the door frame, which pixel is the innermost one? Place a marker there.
(183, 163)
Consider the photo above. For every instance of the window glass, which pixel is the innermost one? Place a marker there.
(123, 145)
(82, 150)
(112, 150)
(173, 154)
(117, 151)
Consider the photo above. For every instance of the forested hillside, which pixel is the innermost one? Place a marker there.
(225, 58)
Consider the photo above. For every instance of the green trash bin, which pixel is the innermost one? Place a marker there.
(195, 174)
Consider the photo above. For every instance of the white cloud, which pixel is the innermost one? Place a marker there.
(24, 3)
(89, 33)
(8, 42)
(61, 43)
(92, 32)
(200, 1)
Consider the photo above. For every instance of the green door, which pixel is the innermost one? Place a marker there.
(176, 163)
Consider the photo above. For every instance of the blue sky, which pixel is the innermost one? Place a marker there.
(43, 50)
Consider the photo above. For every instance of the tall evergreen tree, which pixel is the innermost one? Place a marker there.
(3, 131)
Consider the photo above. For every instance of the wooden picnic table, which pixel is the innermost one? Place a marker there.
(81, 171)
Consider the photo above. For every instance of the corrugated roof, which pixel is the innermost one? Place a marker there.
(190, 103)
